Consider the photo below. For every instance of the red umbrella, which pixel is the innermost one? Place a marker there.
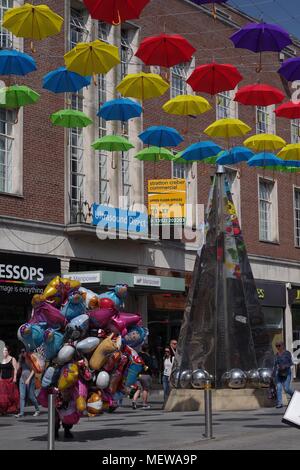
(288, 110)
(259, 95)
(165, 50)
(115, 11)
(214, 78)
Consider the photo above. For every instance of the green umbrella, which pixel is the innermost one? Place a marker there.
(154, 154)
(16, 96)
(70, 118)
(210, 160)
(178, 159)
(112, 143)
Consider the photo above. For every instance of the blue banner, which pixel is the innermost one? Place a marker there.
(115, 219)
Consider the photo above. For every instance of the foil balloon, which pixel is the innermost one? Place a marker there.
(32, 336)
(100, 355)
(74, 306)
(94, 404)
(112, 361)
(47, 379)
(68, 413)
(81, 396)
(68, 376)
(53, 342)
(134, 370)
(58, 290)
(37, 299)
(117, 325)
(87, 345)
(65, 354)
(116, 296)
(129, 319)
(100, 317)
(42, 397)
(36, 362)
(77, 328)
(47, 313)
(84, 371)
(115, 380)
(136, 336)
(102, 380)
(90, 298)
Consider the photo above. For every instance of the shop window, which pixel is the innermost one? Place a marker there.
(268, 213)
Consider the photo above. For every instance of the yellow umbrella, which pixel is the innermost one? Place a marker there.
(90, 58)
(143, 85)
(187, 105)
(290, 152)
(265, 143)
(33, 22)
(227, 128)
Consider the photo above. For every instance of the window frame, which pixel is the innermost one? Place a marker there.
(274, 226)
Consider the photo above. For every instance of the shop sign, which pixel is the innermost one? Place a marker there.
(115, 219)
(271, 294)
(167, 201)
(294, 296)
(146, 281)
(84, 278)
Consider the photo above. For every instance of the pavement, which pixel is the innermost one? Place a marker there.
(155, 429)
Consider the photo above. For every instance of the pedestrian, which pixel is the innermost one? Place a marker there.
(282, 372)
(173, 347)
(167, 365)
(26, 385)
(9, 395)
(145, 379)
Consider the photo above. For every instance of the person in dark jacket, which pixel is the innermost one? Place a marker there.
(282, 372)
(145, 378)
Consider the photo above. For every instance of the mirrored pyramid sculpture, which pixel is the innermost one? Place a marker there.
(223, 326)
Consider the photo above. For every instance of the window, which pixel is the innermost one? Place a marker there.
(295, 131)
(225, 106)
(181, 170)
(126, 52)
(7, 118)
(297, 216)
(103, 31)
(265, 120)
(6, 40)
(179, 75)
(268, 224)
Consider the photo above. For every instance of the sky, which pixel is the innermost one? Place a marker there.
(286, 13)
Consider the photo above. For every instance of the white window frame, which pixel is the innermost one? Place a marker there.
(179, 75)
(273, 235)
(226, 107)
(296, 215)
(265, 119)
(295, 131)
(6, 38)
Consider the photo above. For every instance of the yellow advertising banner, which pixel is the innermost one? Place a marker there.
(166, 201)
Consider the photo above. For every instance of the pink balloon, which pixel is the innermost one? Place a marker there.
(100, 317)
(46, 312)
(116, 325)
(43, 397)
(129, 319)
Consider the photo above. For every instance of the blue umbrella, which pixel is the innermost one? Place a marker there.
(161, 136)
(62, 80)
(201, 150)
(235, 155)
(120, 109)
(13, 62)
(265, 159)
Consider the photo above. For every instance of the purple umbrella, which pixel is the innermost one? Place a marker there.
(261, 37)
(290, 69)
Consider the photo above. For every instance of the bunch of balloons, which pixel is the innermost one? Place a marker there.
(88, 345)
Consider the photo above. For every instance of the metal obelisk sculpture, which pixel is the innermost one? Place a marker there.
(223, 322)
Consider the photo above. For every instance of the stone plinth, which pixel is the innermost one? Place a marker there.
(222, 400)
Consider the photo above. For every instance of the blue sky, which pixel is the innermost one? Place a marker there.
(283, 12)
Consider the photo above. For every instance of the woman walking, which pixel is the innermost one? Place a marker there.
(167, 361)
(9, 395)
(26, 385)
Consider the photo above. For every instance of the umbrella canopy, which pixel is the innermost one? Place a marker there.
(61, 80)
(143, 85)
(227, 128)
(259, 95)
(165, 50)
(30, 21)
(187, 105)
(161, 136)
(154, 154)
(214, 78)
(16, 96)
(121, 109)
(260, 37)
(235, 155)
(201, 151)
(290, 152)
(13, 62)
(112, 143)
(70, 118)
(265, 159)
(265, 143)
(88, 58)
(115, 11)
(290, 69)
(288, 110)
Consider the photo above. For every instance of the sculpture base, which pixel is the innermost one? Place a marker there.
(222, 400)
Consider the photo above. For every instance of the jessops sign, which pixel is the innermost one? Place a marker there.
(115, 219)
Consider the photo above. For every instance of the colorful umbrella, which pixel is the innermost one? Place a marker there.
(154, 154)
(13, 62)
(290, 69)
(259, 95)
(187, 105)
(16, 96)
(121, 109)
(201, 150)
(265, 143)
(90, 58)
(143, 86)
(227, 128)
(214, 78)
(61, 80)
(115, 11)
(70, 118)
(265, 159)
(165, 50)
(113, 143)
(161, 136)
(234, 156)
(261, 37)
(290, 152)
(288, 110)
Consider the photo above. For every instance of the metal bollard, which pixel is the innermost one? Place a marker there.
(208, 411)
(51, 421)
